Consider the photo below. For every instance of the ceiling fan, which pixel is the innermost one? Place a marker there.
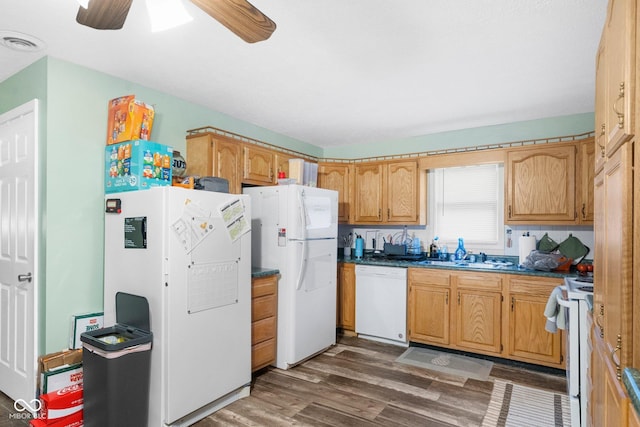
(239, 16)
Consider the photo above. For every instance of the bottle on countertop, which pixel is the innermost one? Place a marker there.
(460, 251)
(433, 248)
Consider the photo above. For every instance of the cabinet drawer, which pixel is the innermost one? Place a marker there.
(427, 276)
(263, 354)
(479, 281)
(534, 285)
(263, 307)
(264, 286)
(263, 330)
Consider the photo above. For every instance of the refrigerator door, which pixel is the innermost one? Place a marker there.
(198, 284)
(313, 213)
(307, 301)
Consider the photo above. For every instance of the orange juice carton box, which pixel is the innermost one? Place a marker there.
(129, 119)
(58, 405)
(137, 165)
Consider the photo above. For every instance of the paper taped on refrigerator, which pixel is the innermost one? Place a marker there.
(318, 212)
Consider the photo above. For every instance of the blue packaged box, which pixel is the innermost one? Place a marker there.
(137, 165)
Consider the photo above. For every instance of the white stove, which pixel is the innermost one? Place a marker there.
(578, 302)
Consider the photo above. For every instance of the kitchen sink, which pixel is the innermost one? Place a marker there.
(466, 264)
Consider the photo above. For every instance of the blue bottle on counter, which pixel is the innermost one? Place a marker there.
(359, 247)
(460, 252)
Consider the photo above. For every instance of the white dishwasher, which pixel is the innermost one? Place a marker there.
(381, 304)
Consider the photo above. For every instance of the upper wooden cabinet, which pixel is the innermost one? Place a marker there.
(387, 192)
(601, 107)
(584, 182)
(620, 51)
(336, 176)
(259, 165)
(540, 185)
(209, 154)
(282, 164)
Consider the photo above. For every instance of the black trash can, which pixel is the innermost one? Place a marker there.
(117, 367)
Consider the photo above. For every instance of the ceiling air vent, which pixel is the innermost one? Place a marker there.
(20, 42)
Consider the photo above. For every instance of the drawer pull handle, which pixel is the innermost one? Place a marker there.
(615, 110)
(613, 352)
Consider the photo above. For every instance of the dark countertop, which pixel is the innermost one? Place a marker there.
(263, 272)
(631, 380)
(512, 269)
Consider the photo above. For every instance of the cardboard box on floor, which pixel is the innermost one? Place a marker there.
(59, 369)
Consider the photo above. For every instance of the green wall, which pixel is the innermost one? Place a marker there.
(73, 102)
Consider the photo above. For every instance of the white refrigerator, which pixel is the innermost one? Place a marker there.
(295, 230)
(189, 253)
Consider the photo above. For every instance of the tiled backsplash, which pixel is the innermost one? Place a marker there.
(557, 233)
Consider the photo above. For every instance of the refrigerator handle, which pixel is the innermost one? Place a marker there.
(303, 265)
(303, 214)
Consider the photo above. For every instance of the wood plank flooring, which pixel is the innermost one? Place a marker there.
(357, 383)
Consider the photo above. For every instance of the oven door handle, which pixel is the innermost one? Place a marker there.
(564, 302)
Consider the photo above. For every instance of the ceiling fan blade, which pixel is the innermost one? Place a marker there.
(104, 14)
(239, 16)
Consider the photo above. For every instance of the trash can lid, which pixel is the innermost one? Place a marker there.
(132, 310)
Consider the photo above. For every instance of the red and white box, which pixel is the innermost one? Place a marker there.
(74, 420)
(59, 405)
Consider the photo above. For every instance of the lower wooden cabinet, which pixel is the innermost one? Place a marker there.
(487, 313)
(609, 399)
(478, 311)
(264, 310)
(428, 309)
(528, 340)
(346, 308)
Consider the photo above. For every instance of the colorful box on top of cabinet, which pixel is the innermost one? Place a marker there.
(129, 119)
(137, 165)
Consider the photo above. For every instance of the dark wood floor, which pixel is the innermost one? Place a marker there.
(357, 383)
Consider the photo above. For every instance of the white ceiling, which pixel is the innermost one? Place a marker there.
(340, 72)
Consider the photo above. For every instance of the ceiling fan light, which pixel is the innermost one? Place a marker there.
(165, 14)
(83, 3)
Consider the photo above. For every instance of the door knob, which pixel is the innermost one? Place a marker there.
(24, 277)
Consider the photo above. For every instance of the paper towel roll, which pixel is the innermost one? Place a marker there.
(526, 245)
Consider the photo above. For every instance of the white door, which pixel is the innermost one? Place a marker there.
(18, 252)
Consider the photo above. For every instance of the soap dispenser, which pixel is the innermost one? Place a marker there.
(460, 252)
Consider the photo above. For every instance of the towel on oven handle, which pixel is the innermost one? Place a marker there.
(554, 312)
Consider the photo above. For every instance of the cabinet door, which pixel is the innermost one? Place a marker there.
(200, 155)
(541, 185)
(615, 399)
(620, 39)
(368, 180)
(528, 339)
(228, 162)
(586, 157)
(478, 312)
(401, 191)
(347, 296)
(282, 165)
(258, 165)
(335, 176)
(601, 102)
(618, 236)
(429, 308)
